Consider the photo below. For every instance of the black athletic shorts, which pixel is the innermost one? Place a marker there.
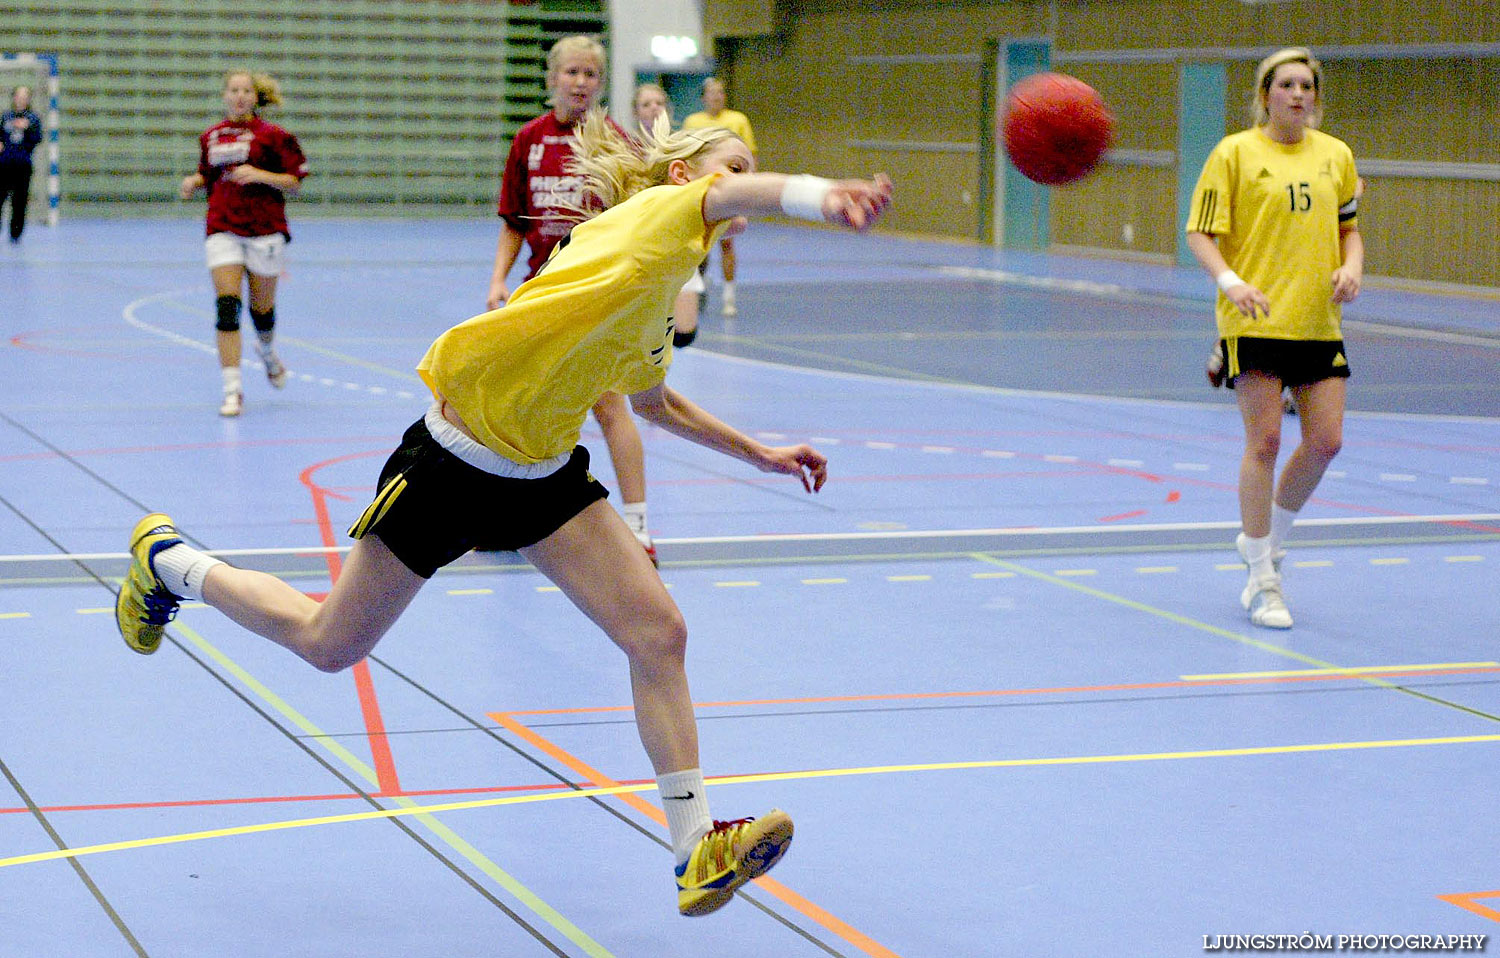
(433, 507)
(1296, 362)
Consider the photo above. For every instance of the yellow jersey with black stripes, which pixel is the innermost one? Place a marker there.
(1278, 210)
(596, 318)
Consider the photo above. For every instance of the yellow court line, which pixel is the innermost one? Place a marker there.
(15, 615)
(806, 774)
(824, 581)
(1191, 623)
(746, 584)
(471, 591)
(1338, 671)
(477, 858)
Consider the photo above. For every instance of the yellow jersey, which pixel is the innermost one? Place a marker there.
(596, 318)
(1278, 210)
(732, 120)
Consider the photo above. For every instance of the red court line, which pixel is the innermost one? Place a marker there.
(1465, 900)
(364, 684)
(598, 779)
(1057, 690)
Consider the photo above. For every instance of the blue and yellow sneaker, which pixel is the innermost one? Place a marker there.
(144, 606)
(728, 856)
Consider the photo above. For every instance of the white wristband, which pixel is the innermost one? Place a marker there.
(802, 197)
(1228, 279)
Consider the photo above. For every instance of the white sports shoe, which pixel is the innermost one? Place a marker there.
(1262, 598)
(233, 404)
(275, 372)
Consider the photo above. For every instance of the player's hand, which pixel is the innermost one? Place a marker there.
(857, 204)
(187, 187)
(498, 294)
(804, 462)
(1346, 283)
(1248, 300)
(244, 174)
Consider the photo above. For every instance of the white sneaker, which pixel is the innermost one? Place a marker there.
(1267, 606)
(729, 308)
(275, 372)
(233, 404)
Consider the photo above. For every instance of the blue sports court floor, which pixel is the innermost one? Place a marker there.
(997, 670)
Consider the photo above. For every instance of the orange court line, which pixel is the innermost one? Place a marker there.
(597, 778)
(1331, 676)
(1465, 900)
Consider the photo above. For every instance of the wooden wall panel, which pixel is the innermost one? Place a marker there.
(1095, 212)
(811, 97)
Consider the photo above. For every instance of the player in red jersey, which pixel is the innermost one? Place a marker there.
(537, 200)
(248, 166)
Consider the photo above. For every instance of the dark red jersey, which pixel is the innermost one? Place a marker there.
(252, 209)
(537, 189)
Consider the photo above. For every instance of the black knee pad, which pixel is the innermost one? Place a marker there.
(264, 322)
(229, 314)
(683, 339)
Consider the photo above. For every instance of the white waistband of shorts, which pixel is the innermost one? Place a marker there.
(482, 457)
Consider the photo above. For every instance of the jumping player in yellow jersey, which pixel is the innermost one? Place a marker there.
(495, 463)
(1273, 220)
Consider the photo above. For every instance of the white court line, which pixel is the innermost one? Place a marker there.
(907, 534)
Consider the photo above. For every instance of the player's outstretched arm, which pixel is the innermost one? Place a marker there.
(673, 412)
(854, 204)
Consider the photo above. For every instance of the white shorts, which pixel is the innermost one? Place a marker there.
(694, 285)
(261, 255)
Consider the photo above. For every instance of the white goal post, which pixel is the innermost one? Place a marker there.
(39, 72)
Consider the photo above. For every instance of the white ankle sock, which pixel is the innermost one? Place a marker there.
(686, 805)
(233, 382)
(635, 515)
(182, 570)
(1281, 526)
(1257, 555)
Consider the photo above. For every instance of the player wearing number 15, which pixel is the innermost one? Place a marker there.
(1273, 221)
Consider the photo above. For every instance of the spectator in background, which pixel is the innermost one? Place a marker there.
(716, 112)
(248, 166)
(22, 131)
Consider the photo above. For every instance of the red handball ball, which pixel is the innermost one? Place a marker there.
(1055, 128)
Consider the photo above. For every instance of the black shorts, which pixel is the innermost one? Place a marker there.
(1296, 362)
(433, 507)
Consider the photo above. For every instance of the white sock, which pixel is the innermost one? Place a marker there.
(1281, 525)
(182, 569)
(265, 344)
(1257, 555)
(635, 515)
(686, 805)
(232, 380)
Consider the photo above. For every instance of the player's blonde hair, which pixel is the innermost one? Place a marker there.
(613, 168)
(576, 44)
(1266, 72)
(267, 90)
